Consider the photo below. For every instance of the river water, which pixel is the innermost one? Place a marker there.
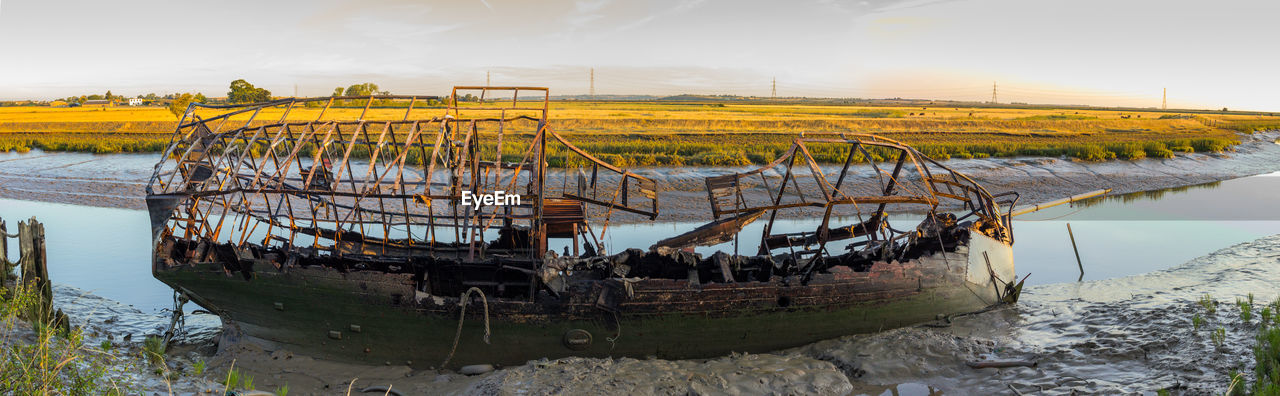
(1125, 328)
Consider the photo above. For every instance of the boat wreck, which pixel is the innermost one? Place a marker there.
(384, 237)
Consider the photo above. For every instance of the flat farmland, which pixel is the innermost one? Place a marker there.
(722, 134)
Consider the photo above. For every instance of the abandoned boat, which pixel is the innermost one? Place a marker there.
(386, 237)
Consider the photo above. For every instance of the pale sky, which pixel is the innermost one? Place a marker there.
(1209, 54)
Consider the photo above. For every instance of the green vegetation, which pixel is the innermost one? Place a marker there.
(1218, 336)
(233, 379)
(198, 367)
(84, 143)
(55, 362)
(1266, 355)
(153, 350)
(180, 102)
(1250, 126)
(1266, 350)
(360, 90)
(1197, 321)
(1207, 302)
(238, 381)
(244, 92)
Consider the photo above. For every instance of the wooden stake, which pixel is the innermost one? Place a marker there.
(1077, 250)
(5, 265)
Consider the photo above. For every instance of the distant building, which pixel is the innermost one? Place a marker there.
(97, 103)
(135, 101)
(57, 103)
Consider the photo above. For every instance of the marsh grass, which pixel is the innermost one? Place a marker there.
(718, 134)
(233, 379)
(52, 360)
(1246, 308)
(1206, 301)
(237, 380)
(153, 349)
(1266, 356)
(1218, 336)
(83, 143)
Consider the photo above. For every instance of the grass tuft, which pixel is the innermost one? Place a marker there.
(1207, 302)
(153, 350)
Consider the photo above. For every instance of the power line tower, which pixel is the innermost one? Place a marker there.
(592, 90)
(993, 92)
(773, 94)
(1164, 100)
(486, 78)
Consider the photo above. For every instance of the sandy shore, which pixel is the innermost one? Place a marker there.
(120, 180)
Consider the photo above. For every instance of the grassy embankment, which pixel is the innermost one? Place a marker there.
(670, 133)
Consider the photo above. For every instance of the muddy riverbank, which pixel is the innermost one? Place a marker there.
(119, 180)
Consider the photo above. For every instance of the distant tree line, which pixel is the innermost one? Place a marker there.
(244, 92)
(370, 89)
(180, 102)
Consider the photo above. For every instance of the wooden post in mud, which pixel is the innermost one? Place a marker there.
(1077, 250)
(35, 274)
(5, 265)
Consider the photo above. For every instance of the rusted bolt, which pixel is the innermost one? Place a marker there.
(334, 334)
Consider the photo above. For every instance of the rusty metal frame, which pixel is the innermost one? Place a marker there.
(912, 179)
(388, 182)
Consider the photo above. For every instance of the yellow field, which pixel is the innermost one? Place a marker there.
(674, 133)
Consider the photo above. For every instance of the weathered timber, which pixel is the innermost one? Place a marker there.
(6, 267)
(34, 276)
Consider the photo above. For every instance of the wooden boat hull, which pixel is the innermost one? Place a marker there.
(378, 317)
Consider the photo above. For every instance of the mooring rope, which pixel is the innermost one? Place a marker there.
(462, 302)
(613, 341)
